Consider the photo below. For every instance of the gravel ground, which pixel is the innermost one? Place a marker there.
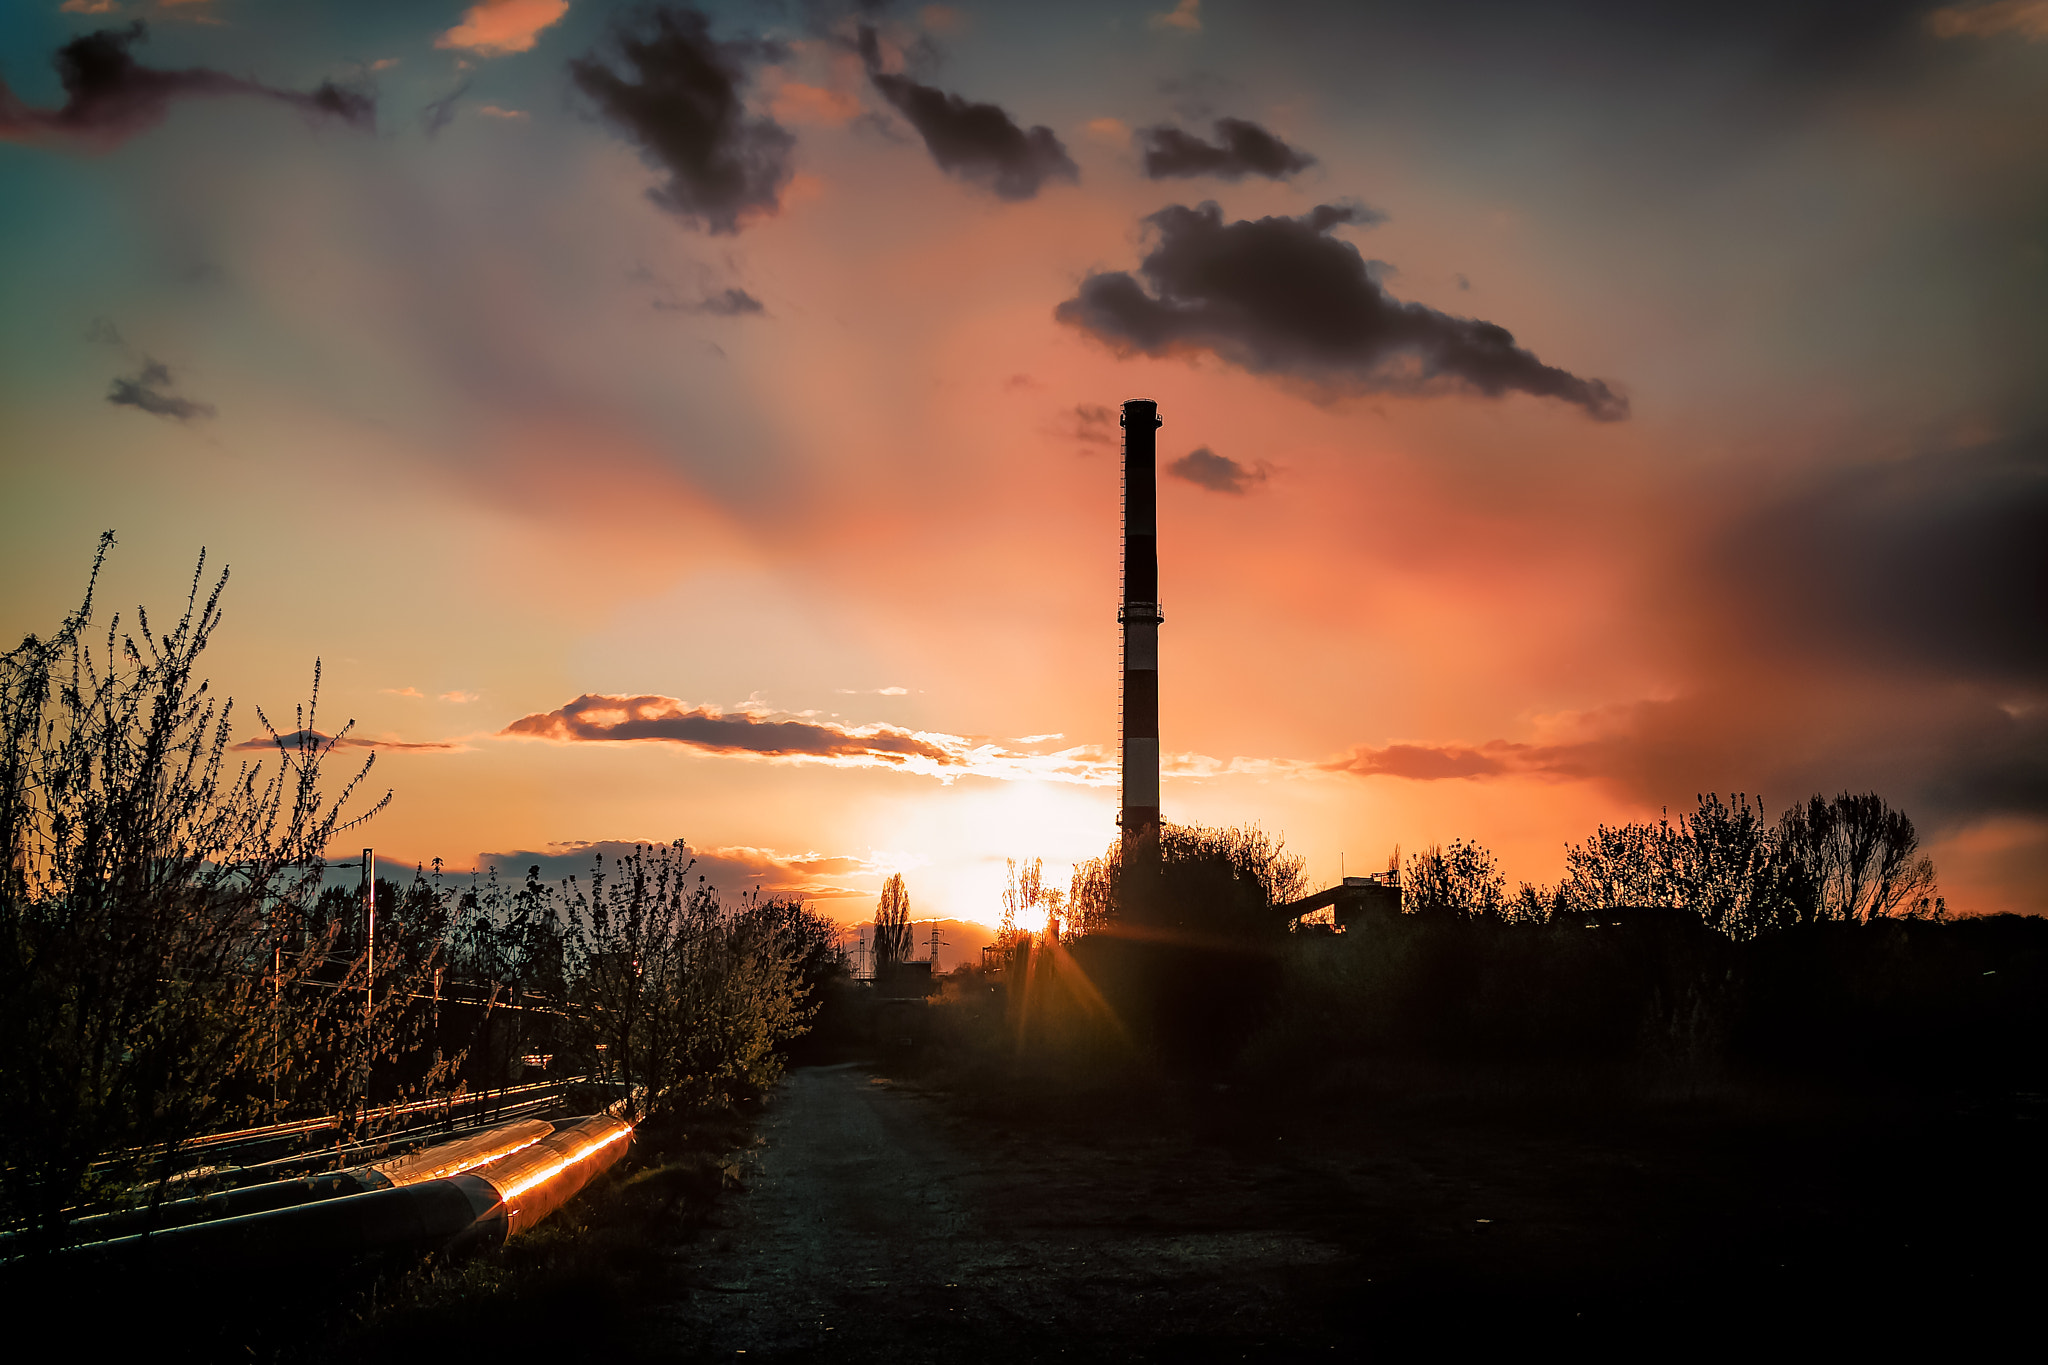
(879, 1221)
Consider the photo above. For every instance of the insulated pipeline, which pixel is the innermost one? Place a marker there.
(477, 1207)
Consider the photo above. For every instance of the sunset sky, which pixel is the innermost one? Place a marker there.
(700, 423)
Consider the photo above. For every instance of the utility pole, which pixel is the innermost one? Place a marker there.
(370, 905)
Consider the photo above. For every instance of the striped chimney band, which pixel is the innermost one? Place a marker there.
(1139, 613)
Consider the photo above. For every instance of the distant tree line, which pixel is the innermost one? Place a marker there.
(1815, 941)
(1851, 859)
(1212, 882)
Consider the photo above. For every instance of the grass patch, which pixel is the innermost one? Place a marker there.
(569, 1285)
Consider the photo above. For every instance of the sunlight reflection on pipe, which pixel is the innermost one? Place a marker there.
(411, 1170)
(550, 1172)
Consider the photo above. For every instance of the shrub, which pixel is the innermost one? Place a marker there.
(680, 999)
(162, 970)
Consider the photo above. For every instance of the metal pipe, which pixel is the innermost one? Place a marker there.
(300, 1127)
(539, 1179)
(430, 1163)
(475, 1209)
(463, 1154)
(435, 1213)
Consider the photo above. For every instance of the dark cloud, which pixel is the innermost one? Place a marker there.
(730, 871)
(682, 104)
(1871, 627)
(150, 390)
(1242, 148)
(726, 303)
(1204, 468)
(102, 332)
(978, 143)
(1781, 40)
(1282, 296)
(1950, 756)
(109, 96)
(592, 718)
(1094, 424)
(438, 114)
(1438, 762)
(315, 739)
(1803, 38)
(1938, 564)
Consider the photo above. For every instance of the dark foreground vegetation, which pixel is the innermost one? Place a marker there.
(1734, 1080)
(1790, 1098)
(1707, 955)
(177, 963)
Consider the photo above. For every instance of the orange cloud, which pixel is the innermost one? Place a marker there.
(596, 718)
(796, 102)
(809, 875)
(1437, 762)
(2028, 18)
(497, 28)
(756, 732)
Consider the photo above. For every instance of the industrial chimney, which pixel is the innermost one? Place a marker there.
(1140, 617)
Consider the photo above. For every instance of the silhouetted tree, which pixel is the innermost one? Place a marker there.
(680, 999)
(1533, 905)
(744, 995)
(1091, 895)
(1212, 882)
(1460, 880)
(1717, 861)
(1023, 893)
(1620, 866)
(1055, 902)
(892, 924)
(1854, 859)
(1721, 864)
(156, 929)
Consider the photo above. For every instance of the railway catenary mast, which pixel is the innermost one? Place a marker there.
(1140, 617)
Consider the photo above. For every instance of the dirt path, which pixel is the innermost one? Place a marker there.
(854, 1203)
(872, 1228)
(879, 1223)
